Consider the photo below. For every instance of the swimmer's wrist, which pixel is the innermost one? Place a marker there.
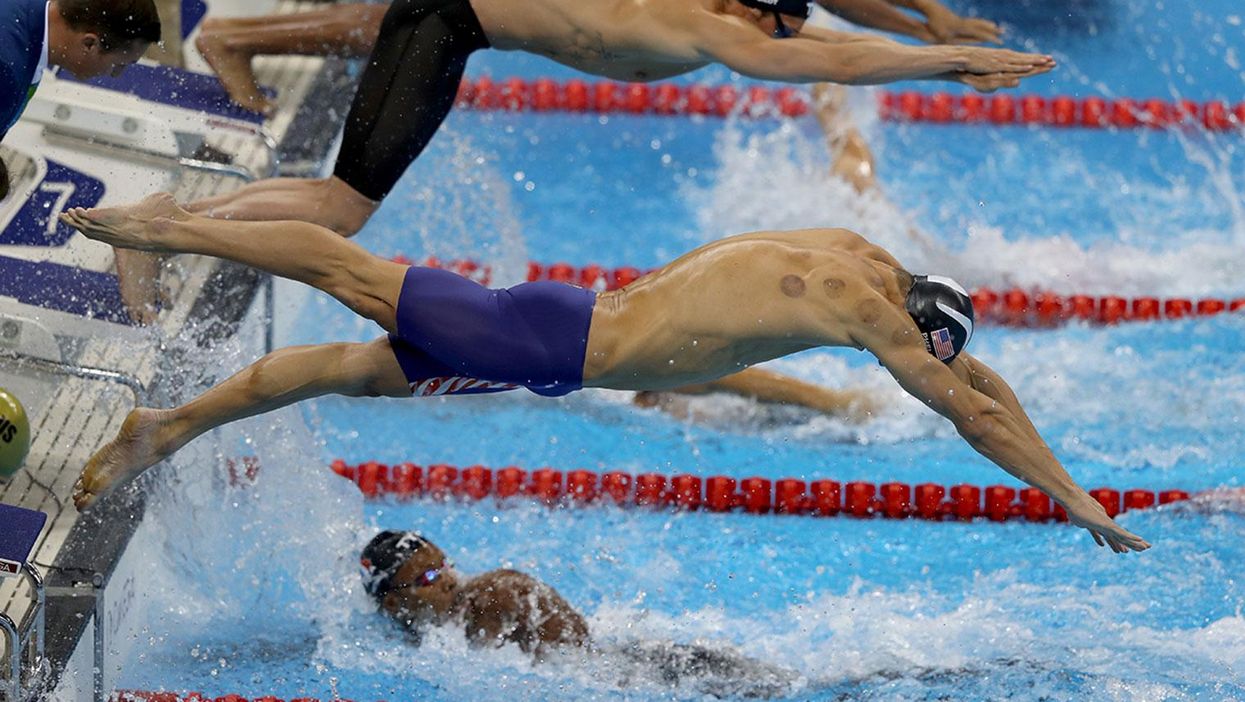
(958, 56)
(1069, 496)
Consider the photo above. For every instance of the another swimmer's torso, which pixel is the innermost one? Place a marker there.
(506, 606)
(734, 303)
(633, 40)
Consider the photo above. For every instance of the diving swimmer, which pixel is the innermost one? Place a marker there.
(412, 78)
(349, 30)
(714, 311)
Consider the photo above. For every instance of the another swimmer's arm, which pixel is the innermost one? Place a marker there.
(834, 36)
(810, 60)
(766, 386)
(947, 27)
(750, 51)
(878, 14)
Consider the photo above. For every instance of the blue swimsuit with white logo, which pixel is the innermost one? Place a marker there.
(22, 28)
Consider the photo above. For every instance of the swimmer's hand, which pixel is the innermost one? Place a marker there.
(990, 82)
(946, 27)
(1085, 512)
(984, 61)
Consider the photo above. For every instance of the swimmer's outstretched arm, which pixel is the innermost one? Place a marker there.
(281, 378)
(941, 25)
(986, 413)
(766, 386)
(877, 14)
(808, 59)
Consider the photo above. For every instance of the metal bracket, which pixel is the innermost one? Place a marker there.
(18, 639)
(44, 365)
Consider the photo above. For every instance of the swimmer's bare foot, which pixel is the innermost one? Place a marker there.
(233, 68)
(854, 163)
(131, 226)
(138, 273)
(141, 443)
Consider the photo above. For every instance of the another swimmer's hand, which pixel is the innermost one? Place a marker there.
(946, 27)
(1085, 512)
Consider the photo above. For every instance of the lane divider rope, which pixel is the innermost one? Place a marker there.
(761, 102)
(1060, 111)
(1014, 307)
(162, 696)
(822, 498)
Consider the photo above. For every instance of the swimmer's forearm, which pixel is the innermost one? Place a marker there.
(853, 63)
(997, 435)
(925, 7)
(877, 14)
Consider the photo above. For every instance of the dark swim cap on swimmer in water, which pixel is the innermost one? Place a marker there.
(384, 556)
(943, 311)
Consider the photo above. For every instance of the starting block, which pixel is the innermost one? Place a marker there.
(19, 531)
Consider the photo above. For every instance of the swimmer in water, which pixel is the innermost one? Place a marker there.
(412, 78)
(712, 312)
(414, 583)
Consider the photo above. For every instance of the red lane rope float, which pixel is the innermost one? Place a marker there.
(822, 498)
(1060, 111)
(1015, 307)
(759, 101)
(604, 97)
(151, 696)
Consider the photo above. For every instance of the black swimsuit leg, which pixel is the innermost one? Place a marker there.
(406, 91)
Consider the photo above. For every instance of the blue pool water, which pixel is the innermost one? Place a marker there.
(257, 593)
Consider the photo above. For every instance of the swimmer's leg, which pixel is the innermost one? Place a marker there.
(328, 202)
(281, 378)
(229, 44)
(310, 254)
(766, 386)
(853, 160)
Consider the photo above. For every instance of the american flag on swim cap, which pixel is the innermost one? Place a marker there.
(941, 339)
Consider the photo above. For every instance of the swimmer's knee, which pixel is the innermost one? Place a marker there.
(381, 375)
(348, 209)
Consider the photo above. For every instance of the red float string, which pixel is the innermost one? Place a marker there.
(1014, 307)
(153, 696)
(1061, 111)
(759, 101)
(822, 498)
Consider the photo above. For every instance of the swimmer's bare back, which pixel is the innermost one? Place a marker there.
(737, 302)
(507, 606)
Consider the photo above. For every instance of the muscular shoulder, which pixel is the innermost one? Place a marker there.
(500, 587)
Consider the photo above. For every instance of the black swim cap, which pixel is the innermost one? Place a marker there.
(384, 556)
(943, 312)
(796, 8)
